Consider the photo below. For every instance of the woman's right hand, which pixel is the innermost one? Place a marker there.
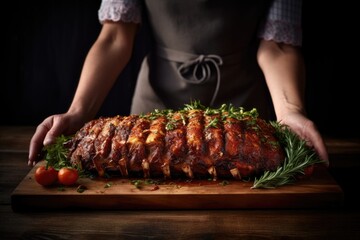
(49, 129)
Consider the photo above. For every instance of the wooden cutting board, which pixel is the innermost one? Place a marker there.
(319, 191)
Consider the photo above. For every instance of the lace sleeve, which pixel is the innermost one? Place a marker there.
(120, 10)
(283, 22)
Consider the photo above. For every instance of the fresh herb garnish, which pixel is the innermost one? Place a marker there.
(194, 105)
(139, 184)
(170, 125)
(213, 123)
(298, 156)
(224, 183)
(56, 154)
(81, 188)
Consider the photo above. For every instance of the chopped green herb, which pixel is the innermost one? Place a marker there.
(137, 183)
(56, 154)
(224, 183)
(213, 123)
(81, 188)
(170, 125)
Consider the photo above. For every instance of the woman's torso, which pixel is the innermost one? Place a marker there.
(183, 31)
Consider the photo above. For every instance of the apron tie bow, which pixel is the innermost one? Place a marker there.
(200, 70)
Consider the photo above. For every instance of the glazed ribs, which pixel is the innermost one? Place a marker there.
(191, 143)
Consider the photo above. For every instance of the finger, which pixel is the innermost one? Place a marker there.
(320, 148)
(318, 143)
(36, 142)
(54, 131)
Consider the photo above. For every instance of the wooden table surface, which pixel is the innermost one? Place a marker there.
(329, 223)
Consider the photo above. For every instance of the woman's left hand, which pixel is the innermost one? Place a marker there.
(308, 131)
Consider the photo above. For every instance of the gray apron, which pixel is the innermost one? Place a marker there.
(204, 50)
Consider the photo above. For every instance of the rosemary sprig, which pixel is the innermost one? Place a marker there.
(298, 157)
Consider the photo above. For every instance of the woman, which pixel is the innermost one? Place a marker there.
(245, 53)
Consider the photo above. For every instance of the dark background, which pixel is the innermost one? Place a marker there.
(45, 43)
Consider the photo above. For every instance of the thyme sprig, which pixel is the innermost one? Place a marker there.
(298, 156)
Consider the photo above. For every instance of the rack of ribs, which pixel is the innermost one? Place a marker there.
(189, 143)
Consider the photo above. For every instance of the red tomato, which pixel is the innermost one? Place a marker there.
(68, 176)
(46, 177)
(309, 170)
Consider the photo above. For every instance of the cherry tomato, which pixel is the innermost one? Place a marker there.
(46, 177)
(68, 176)
(309, 170)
